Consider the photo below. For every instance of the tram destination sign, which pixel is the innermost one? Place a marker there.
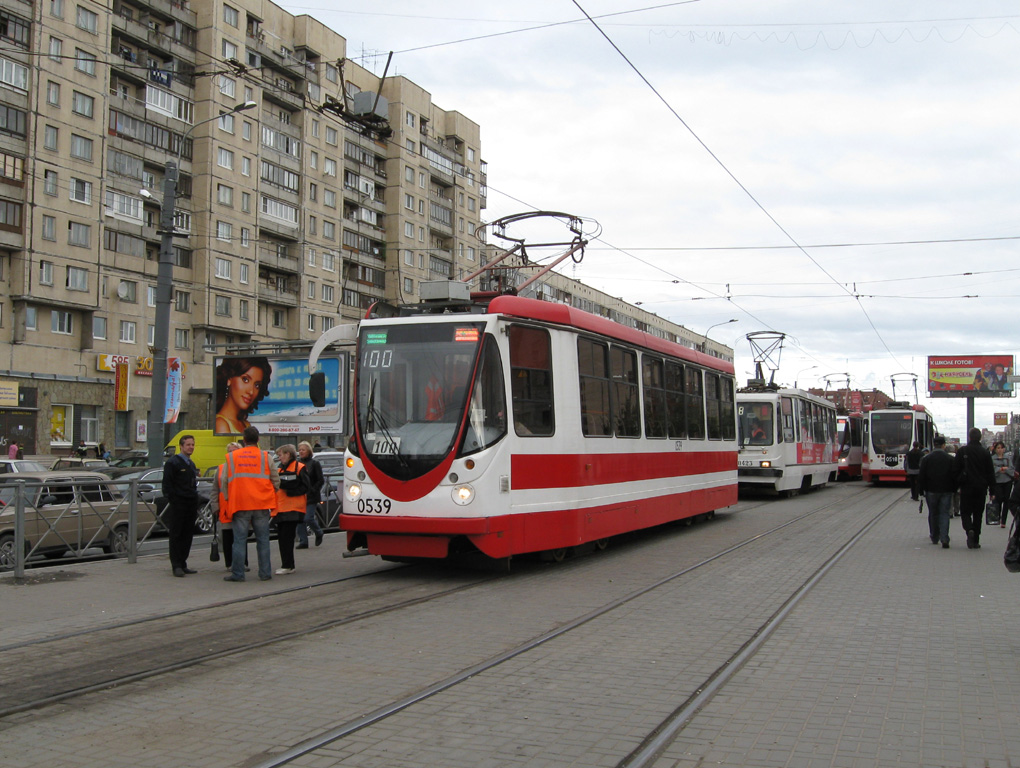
(970, 376)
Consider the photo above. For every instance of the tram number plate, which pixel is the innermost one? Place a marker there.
(374, 506)
(386, 447)
(745, 463)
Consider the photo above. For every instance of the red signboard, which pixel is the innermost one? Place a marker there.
(970, 376)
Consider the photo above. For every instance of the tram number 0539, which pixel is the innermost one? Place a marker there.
(374, 506)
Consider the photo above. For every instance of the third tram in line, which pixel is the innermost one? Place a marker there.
(888, 434)
(788, 439)
(505, 425)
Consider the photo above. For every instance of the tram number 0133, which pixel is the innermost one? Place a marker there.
(374, 506)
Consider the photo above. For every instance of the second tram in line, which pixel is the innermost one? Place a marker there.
(888, 434)
(510, 425)
(788, 439)
(850, 434)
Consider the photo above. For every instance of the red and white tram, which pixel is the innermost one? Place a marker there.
(850, 434)
(522, 426)
(787, 439)
(888, 434)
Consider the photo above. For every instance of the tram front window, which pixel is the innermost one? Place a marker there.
(412, 388)
(756, 421)
(891, 433)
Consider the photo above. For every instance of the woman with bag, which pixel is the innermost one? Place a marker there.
(291, 499)
(1004, 475)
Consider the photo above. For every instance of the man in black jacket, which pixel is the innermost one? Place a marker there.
(975, 475)
(937, 481)
(180, 487)
(913, 464)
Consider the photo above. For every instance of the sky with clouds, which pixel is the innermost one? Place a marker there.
(843, 173)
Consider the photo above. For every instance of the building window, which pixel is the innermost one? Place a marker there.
(313, 159)
(81, 148)
(329, 167)
(328, 230)
(182, 301)
(61, 322)
(246, 202)
(230, 16)
(53, 93)
(409, 202)
(227, 122)
(50, 182)
(46, 273)
(311, 289)
(49, 227)
(409, 255)
(246, 166)
(329, 198)
(224, 230)
(57, 8)
(87, 20)
(245, 242)
(311, 322)
(50, 136)
(182, 338)
(223, 306)
(78, 234)
(311, 257)
(246, 130)
(328, 261)
(77, 279)
(227, 86)
(128, 291)
(279, 318)
(98, 327)
(225, 158)
(223, 268)
(327, 294)
(242, 309)
(82, 104)
(229, 50)
(56, 49)
(151, 335)
(243, 273)
(225, 194)
(409, 286)
(127, 331)
(31, 319)
(84, 62)
(81, 191)
(331, 135)
(409, 119)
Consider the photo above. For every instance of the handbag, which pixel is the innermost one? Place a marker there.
(991, 513)
(214, 551)
(1011, 558)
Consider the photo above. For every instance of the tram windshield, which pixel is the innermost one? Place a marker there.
(891, 433)
(413, 383)
(756, 420)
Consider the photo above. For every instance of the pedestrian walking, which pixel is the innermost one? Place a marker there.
(1003, 485)
(291, 503)
(974, 475)
(12, 450)
(313, 471)
(913, 463)
(180, 488)
(248, 485)
(936, 481)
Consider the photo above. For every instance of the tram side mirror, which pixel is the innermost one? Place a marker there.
(317, 389)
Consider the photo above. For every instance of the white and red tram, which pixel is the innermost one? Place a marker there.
(787, 439)
(522, 426)
(850, 432)
(888, 434)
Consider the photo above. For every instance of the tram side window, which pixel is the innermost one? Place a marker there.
(727, 409)
(487, 408)
(531, 381)
(593, 375)
(819, 423)
(675, 418)
(804, 413)
(694, 402)
(654, 391)
(789, 426)
(712, 406)
(626, 412)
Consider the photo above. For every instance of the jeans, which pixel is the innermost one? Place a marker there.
(259, 518)
(1000, 495)
(311, 523)
(940, 509)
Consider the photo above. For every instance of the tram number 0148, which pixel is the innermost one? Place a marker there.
(374, 506)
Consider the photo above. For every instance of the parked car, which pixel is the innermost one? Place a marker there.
(10, 466)
(332, 463)
(67, 512)
(74, 462)
(150, 489)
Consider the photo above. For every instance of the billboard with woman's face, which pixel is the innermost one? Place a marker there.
(271, 392)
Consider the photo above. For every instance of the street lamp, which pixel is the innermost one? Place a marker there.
(809, 368)
(164, 288)
(704, 344)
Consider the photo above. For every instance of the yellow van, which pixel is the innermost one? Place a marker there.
(210, 449)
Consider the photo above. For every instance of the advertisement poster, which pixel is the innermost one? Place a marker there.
(121, 386)
(174, 385)
(271, 392)
(970, 376)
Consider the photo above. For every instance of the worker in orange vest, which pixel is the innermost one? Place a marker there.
(218, 506)
(291, 500)
(435, 405)
(248, 486)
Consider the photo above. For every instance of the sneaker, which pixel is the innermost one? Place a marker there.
(945, 545)
(232, 578)
(302, 546)
(284, 571)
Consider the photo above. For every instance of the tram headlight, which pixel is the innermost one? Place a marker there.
(765, 464)
(353, 491)
(463, 495)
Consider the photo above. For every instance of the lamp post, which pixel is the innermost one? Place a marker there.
(164, 289)
(704, 344)
(809, 368)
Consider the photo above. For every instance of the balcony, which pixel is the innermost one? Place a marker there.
(275, 58)
(279, 259)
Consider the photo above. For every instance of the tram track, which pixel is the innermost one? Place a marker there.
(664, 732)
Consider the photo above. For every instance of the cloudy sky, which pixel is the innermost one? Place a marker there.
(844, 173)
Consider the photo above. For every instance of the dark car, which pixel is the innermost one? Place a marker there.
(150, 489)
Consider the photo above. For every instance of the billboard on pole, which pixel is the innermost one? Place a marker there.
(970, 376)
(271, 392)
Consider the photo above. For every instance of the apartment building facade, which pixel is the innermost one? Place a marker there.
(331, 191)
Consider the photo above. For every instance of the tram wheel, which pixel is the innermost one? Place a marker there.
(558, 555)
(710, 515)
(601, 544)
